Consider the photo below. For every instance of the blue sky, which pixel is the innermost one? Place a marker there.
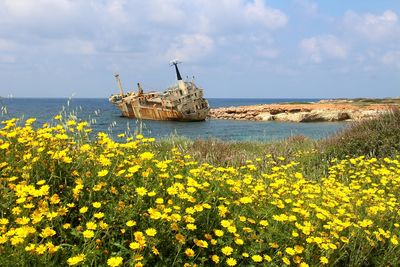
(234, 48)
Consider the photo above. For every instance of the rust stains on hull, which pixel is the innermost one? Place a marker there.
(157, 113)
(182, 102)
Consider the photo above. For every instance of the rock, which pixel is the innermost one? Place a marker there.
(309, 112)
(265, 116)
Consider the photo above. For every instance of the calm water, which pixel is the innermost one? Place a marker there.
(106, 117)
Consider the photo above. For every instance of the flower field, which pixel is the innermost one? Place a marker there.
(68, 199)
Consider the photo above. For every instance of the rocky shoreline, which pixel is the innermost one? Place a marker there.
(322, 111)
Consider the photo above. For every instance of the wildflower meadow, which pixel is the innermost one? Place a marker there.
(69, 197)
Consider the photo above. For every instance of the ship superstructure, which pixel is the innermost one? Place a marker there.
(182, 102)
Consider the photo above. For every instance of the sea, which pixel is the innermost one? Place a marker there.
(104, 117)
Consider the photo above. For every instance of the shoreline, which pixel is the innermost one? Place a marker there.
(321, 111)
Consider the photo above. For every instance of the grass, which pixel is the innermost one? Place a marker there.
(68, 199)
(378, 137)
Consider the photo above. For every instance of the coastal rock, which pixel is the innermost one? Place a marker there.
(308, 112)
(265, 116)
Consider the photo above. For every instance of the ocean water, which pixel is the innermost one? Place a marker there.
(105, 117)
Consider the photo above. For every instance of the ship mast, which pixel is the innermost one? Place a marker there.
(181, 83)
(140, 90)
(119, 85)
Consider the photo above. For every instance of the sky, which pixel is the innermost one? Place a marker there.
(233, 48)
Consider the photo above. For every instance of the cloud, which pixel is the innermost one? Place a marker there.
(190, 47)
(152, 28)
(318, 48)
(271, 18)
(373, 27)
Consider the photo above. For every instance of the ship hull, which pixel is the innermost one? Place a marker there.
(163, 114)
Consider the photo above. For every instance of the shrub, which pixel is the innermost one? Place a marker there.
(379, 137)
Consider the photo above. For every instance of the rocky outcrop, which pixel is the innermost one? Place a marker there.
(313, 112)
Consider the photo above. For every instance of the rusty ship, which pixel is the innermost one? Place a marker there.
(181, 102)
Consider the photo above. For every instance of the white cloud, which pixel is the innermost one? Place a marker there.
(148, 27)
(169, 12)
(271, 18)
(318, 48)
(38, 8)
(373, 27)
(190, 47)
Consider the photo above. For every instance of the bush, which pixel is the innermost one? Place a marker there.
(378, 137)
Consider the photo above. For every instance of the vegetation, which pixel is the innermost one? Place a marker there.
(67, 199)
(379, 137)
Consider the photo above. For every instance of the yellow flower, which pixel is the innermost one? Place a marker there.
(218, 233)
(96, 205)
(103, 225)
(225, 223)
(245, 200)
(98, 215)
(201, 243)
(46, 232)
(83, 209)
(75, 260)
(4, 221)
(88, 234)
(286, 261)
(231, 262)
(30, 247)
(22, 221)
(151, 232)
(323, 260)
(189, 252)
(267, 258)
(239, 241)
(134, 169)
(102, 173)
(215, 258)
(191, 226)
(41, 249)
(290, 251)
(114, 261)
(91, 225)
(146, 156)
(227, 250)
(257, 258)
(180, 238)
(130, 223)
(298, 249)
(141, 191)
(134, 245)
(394, 240)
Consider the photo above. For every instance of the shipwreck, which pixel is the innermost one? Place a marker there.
(181, 102)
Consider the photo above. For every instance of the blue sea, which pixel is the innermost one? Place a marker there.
(105, 117)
